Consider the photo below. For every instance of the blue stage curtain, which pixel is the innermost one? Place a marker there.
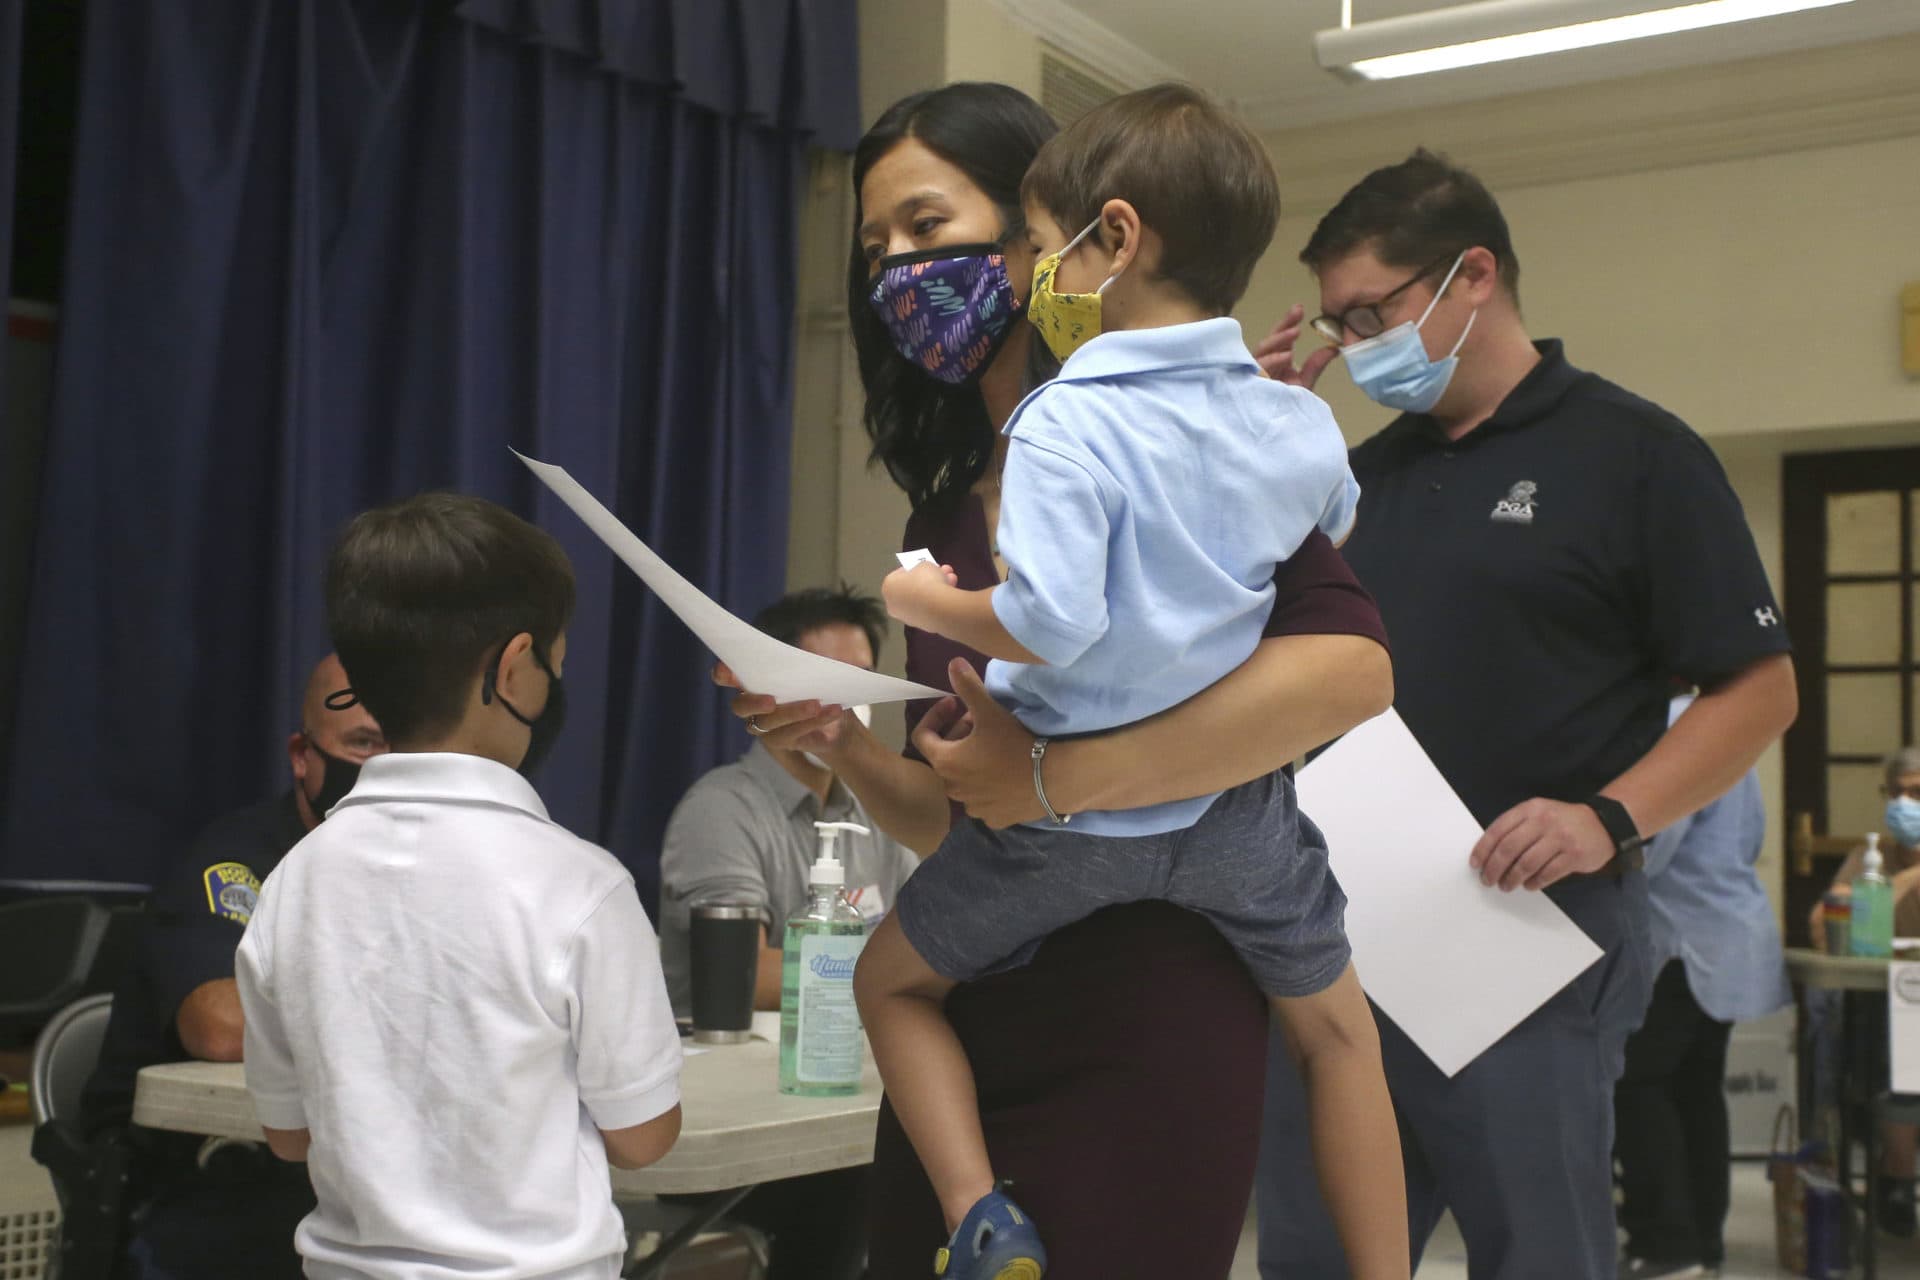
(325, 254)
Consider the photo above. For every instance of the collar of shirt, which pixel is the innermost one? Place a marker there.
(1537, 395)
(794, 794)
(446, 777)
(1175, 346)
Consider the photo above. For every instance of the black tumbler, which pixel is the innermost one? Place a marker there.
(725, 950)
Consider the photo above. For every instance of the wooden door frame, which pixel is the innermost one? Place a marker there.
(1806, 481)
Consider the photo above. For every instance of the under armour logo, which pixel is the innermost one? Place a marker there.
(1766, 617)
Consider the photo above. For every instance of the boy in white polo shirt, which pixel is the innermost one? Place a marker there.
(454, 1007)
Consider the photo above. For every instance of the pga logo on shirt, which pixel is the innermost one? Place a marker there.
(1517, 506)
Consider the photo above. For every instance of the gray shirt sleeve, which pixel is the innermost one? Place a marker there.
(712, 852)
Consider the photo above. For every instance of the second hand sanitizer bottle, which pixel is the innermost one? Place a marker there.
(820, 1039)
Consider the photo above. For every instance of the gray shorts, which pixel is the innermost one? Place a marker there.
(1254, 865)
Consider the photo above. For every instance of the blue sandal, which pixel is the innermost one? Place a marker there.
(995, 1241)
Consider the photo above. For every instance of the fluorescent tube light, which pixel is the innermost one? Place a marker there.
(1471, 35)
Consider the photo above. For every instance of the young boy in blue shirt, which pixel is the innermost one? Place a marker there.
(1148, 492)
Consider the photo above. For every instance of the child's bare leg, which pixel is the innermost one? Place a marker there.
(1356, 1142)
(924, 1067)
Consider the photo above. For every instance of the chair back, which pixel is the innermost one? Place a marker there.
(64, 1057)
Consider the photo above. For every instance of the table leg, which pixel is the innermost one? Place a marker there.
(711, 1211)
(1870, 1241)
(1856, 1103)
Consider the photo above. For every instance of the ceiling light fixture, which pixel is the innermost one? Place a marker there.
(1470, 35)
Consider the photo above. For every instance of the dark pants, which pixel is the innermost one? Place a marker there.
(816, 1226)
(1670, 1111)
(1517, 1144)
(234, 1219)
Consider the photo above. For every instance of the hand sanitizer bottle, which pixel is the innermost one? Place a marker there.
(820, 1039)
(1872, 929)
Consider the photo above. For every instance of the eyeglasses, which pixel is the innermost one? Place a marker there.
(1364, 320)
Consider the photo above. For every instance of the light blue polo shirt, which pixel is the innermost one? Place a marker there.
(1709, 910)
(1149, 491)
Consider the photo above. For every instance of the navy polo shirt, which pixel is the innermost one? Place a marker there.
(1548, 576)
(194, 921)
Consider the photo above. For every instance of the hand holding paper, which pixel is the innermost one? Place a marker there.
(1456, 964)
(763, 664)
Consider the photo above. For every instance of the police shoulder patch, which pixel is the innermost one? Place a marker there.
(232, 891)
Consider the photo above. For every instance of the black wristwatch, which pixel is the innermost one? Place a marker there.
(1627, 840)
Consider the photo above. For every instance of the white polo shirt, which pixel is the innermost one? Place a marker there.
(454, 994)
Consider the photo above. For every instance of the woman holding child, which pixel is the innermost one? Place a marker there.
(1120, 1071)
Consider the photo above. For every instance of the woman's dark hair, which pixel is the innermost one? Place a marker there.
(420, 593)
(935, 439)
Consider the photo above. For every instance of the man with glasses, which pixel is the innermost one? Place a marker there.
(1550, 553)
(205, 1207)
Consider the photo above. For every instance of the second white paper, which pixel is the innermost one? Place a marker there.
(1454, 963)
(764, 664)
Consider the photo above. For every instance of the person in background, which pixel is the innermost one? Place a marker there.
(1714, 945)
(207, 1207)
(454, 1006)
(1900, 852)
(1550, 553)
(744, 833)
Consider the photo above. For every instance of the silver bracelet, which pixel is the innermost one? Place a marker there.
(1039, 790)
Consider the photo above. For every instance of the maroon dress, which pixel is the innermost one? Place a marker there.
(1120, 1073)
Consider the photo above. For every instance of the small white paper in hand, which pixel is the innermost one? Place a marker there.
(1454, 963)
(908, 559)
(764, 664)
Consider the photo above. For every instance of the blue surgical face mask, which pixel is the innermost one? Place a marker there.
(1392, 368)
(1903, 821)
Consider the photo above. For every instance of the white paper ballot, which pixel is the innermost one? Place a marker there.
(1903, 1024)
(1455, 963)
(764, 664)
(908, 559)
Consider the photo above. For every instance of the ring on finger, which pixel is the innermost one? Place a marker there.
(753, 727)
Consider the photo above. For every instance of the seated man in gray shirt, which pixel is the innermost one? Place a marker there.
(744, 833)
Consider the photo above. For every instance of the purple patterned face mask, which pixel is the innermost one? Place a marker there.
(947, 309)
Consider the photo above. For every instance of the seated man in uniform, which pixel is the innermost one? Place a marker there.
(207, 1207)
(744, 833)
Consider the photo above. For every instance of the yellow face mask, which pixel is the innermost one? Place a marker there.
(1066, 321)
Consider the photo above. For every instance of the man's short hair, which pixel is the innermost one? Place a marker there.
(419, 593)
(795, 614)
(1198, 177)
(1412, 215)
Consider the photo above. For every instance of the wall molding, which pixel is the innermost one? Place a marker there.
(1699, 115)
(1090, 41)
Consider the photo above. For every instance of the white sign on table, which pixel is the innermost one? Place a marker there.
(1454, 963)
(1903, 1024)
(764, 665)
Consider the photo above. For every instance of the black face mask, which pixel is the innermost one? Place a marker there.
(544, 728)
(338, 779)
